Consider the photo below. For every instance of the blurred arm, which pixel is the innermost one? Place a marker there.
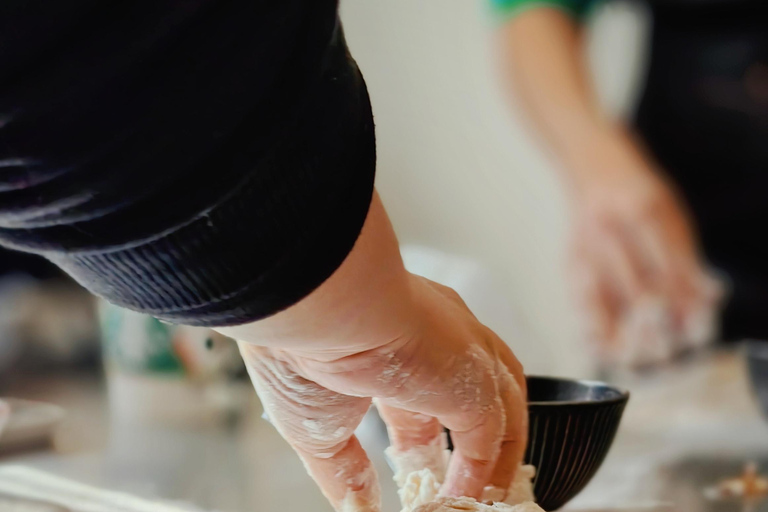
(634, 249)
(543, 60)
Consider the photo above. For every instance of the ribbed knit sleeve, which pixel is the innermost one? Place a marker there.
(206, 162)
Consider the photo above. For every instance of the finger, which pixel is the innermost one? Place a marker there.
(700, 324)
(655, 251)
(417, 442)
(670, 249)
(647, 333)
(475, 417)
(513, 395)
(693, 294)
(694, 300)
(607, 302)
(619, 263)
(408, 429)
(612, 284)
(698, 318)
(648, 329)
(596, 302)
(346, 477)
(458, 386)
(504, 353)
(668, 259)
(626, 282)
(319, 425)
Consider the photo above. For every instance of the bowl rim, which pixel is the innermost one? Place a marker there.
(623, 394)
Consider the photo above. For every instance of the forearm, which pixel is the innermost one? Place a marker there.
(544, 65)
(353, 310)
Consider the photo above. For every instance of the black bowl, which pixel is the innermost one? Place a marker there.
(757, 363)
(571, 427)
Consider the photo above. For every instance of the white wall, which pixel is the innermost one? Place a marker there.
(457, 169)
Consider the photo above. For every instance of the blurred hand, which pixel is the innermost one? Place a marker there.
(374, 331)
(636, 265)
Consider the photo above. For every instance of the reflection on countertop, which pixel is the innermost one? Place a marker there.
(686, 428)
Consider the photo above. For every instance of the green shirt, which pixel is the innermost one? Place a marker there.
(506, 9)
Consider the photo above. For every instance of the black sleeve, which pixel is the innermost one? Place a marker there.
(208, 162)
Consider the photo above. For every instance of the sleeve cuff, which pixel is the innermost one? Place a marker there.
(504, 10)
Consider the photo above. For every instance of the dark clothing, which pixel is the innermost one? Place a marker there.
(693, 8)
(206, 162)
(704, 114)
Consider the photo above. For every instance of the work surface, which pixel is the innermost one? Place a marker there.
(685, 428)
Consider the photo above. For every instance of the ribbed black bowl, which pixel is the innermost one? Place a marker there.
(571, 427)
(757, 362)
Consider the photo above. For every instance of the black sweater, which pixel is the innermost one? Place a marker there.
(206, 162)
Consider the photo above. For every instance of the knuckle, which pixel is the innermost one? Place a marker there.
(474, 384)
(321, 438)
(449, 293)
(320, 449)
(453, 294)
(486, 419)
(313, 419)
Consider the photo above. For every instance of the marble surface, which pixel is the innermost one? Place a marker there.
(686, 427)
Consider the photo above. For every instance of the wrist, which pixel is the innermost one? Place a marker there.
(604, 155)
(352, 310)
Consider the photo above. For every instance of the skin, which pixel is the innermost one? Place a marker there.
(375, 331)
(632, 236)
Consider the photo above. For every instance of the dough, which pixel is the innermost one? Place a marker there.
(433, 457)
(420, 471)
(521, 489)
(470, 505)
(421, 487)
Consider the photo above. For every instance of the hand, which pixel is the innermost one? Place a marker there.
(635, 258)
(414, 347)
